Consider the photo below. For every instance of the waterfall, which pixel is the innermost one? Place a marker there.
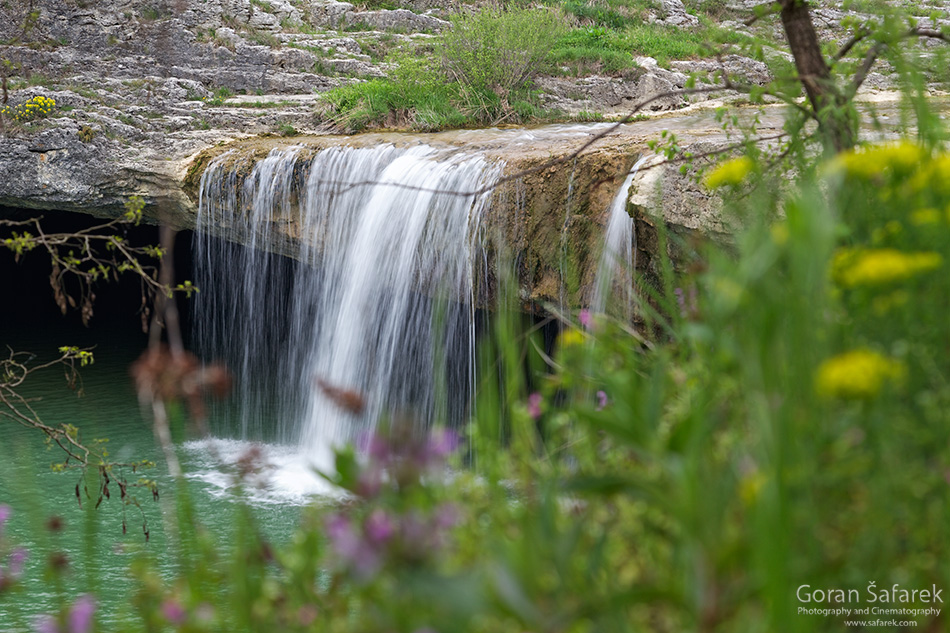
(376, 297)
(613, 282)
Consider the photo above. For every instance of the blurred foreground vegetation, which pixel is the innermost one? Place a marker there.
(780, 420)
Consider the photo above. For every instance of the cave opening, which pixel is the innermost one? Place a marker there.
(30, 314)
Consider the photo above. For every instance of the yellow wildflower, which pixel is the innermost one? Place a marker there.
(727, 292)
(868, 162)
(885, 303)
(571, 337)
(857, 375)
(779, 233)
(921, 217)
(881, 266)
(731, 172)
(889, 229)
(750, 487)
(934, 177)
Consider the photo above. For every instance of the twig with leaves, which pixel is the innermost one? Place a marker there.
(83, 455)
(90, 255)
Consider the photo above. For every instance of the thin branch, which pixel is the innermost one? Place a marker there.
(923, 32)
(862, 73)
(862, 32)
(714, 152)
(875, 51)
(772, 9)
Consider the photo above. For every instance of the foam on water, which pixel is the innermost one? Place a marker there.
(283, 474)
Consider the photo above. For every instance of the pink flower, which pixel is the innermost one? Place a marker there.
(586, 319)
(377, 447)
(534, 405)
(441, 443)
(378, 527)
(342, 536)
(601, 400)
(369, 482)
(80, 615)
(352, 550)
(447, 516)
(173, 612)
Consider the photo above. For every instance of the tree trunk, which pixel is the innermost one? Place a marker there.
(833, 116)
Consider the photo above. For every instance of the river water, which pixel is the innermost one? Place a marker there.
(92, 540)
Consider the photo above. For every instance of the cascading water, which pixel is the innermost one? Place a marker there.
(613, 283)
(377, 302)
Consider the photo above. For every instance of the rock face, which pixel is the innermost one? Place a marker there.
(551, 212)
(56, 170)
(676, 15)
(142, 87)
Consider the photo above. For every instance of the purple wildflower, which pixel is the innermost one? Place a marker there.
(377, 447)
(680, 301)
(534, 405)
(441, 444)
(447, 516)
(369, 482)
(601, 400)
(415, 534)
(378, 527)
(173, 612)
(343, 537)
(80, 615)
(366, 563)
(586, 319)
(350, 547)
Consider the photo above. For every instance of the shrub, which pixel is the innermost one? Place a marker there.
(496, 51)
(86, 134)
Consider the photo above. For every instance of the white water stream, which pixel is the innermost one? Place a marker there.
(379, 302)
(613, 283)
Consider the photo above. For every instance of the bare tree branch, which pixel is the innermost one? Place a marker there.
(862, 32)
(875, 51)
(924, 32)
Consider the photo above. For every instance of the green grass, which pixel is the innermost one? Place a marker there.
(377, 5)
(670, 43)
(286, 130)
(220, 95)
(383, 103)
(264, 104)
(476, 82)
(592, 50)
(263, 5)
(715, 9)
(615, 14)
